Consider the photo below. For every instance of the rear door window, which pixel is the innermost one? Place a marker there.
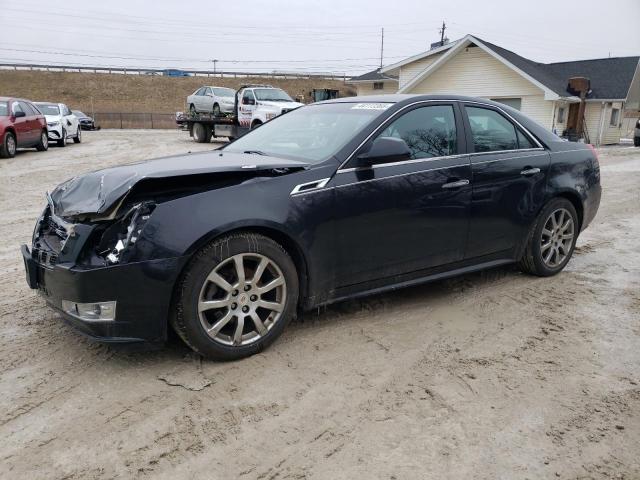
(490, 131)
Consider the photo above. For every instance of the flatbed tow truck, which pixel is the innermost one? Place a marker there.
(254, 105)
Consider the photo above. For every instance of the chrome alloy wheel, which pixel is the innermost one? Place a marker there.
(557, 237)
(242, 299)
(11, 145)
(44, 139)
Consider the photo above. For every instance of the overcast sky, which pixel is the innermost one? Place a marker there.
(341, 36)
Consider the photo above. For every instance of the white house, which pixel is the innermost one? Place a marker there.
(374, 83)
(471, 66)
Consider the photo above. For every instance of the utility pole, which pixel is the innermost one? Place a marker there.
(214, 65)
(442, 30)
(381, 47)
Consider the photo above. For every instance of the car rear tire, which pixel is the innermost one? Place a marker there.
(552, 239)
(63, 139)
(9, 146)
(201, 133)
(192, 109)
(636, 141)
(78, 137)
(43, 143)
(235, 297)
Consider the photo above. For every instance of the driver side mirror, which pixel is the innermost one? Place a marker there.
(385, 150)
(19, 114)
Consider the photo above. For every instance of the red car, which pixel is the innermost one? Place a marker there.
(22, 125)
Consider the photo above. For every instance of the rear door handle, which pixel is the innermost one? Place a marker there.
(529, 171)
(457, 184)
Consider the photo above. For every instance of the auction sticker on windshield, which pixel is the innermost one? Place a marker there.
(371, 106)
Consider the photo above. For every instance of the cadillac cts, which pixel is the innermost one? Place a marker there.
(334, 200)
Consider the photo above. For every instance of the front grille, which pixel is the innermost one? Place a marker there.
(48, 240)
(48, 259)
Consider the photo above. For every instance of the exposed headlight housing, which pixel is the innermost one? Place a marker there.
(53, 124)
(119, 237)
(270, 115)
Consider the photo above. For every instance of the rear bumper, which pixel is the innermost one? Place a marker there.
(591, 205)
(142, 291)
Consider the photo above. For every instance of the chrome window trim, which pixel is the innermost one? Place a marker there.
(462, 102)
(511, 150)
(400, 175)
(508, 158)
(404, 162)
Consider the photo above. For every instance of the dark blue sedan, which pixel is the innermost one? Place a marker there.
(334, 200)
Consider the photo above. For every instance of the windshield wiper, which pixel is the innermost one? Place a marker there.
(254, 152)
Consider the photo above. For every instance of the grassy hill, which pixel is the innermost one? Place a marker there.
(102, 92)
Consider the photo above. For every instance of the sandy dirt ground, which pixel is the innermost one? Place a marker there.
(495, 375)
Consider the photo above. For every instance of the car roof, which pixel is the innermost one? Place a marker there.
(48, 103)
(400, 100)
(401, 97)
(15, 99)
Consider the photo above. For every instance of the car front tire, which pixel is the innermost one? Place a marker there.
(636, 141)
(43, 143)
(551, 240)
(216, 110)
(78, 137)
(236, 296)
(9, 146)
(63, 139)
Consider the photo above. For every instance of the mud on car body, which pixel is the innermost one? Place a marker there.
(333, 200)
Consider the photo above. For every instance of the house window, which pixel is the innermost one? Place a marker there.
(615, 117)
(378, 85)
(511, 102)
(561, 114)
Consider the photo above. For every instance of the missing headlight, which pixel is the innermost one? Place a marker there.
(121, 235)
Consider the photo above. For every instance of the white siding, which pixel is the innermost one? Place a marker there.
(475, 73)
(411, 70)
(598, 122)
(389, 86)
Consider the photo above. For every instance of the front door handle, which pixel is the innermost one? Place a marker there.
(529, 171)
(457, 184)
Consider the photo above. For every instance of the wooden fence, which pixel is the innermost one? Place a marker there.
(135, 120)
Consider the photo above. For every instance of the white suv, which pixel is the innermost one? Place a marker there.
(259, 104)
(61, 123)
(215, 100)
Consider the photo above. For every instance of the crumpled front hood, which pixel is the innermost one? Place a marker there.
(96, 192)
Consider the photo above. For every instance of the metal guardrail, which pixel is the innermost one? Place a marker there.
(160, 72)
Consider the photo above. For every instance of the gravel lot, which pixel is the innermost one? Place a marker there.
(491, 375)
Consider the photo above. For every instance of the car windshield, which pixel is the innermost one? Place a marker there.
(224, 92)
(49, 109)
(78, 113)
(4, 109)
(312, 134)
(272, 95)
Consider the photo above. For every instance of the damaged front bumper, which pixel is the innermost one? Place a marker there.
(123, 302)
(142, 291)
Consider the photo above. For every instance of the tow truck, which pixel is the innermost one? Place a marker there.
(254, 105)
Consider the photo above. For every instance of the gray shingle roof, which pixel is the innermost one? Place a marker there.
(372, 76)
(610, 77)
